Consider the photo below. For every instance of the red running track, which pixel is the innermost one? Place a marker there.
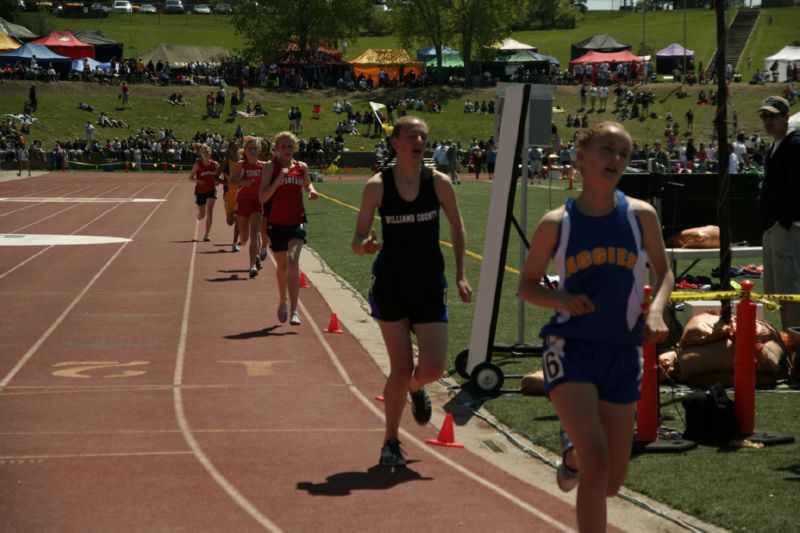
(147, 385)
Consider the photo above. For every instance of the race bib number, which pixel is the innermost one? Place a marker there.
(553, 360)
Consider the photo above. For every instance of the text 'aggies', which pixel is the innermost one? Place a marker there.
(611, 255)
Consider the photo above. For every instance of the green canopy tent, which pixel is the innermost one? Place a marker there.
(15, 30)
(453, 60)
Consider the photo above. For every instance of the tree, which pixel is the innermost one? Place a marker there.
(481, 23)
(424, 22)
(560, 14)
(8, 8)
(268, 26)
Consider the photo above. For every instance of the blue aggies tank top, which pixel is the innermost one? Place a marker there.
(603, 258)
(410, 233)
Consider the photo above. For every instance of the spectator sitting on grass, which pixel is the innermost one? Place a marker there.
(176, 98)
(85, 107)
(107, 122)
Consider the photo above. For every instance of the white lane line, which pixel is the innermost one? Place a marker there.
(33, 349)
(180, 414)
(27, 239)
(87, 455)
(408, 437)
(31, 206)
(73, 200)
(95, 219)
(57, 213)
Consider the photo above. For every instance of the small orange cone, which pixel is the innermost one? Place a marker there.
(304, 284)
(333, 325)
(446, 437)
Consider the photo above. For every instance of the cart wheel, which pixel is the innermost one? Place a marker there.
(461, 364)
(487, 377)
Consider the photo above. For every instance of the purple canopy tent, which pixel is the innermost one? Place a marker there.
(671, 57)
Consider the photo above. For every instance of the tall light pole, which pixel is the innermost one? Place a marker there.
(684, 39)
(644, 20)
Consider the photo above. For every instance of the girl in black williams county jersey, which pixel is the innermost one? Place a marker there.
(282, 193)
(408, 290)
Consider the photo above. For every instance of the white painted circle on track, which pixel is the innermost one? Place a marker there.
(22, 239)
(65, 200)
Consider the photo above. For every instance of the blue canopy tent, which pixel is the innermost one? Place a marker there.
(426, 54)
(44, 56)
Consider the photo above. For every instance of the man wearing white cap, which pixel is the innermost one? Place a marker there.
(779, 208)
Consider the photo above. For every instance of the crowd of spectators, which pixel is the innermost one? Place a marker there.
(630, 102)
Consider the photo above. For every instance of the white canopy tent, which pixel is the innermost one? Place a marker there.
(787, 56)
(509, 45)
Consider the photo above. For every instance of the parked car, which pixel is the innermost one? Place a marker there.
(201, 9)
(222, 9)
(97, 7)
(122, 6)
(173, 7)
(148, 9)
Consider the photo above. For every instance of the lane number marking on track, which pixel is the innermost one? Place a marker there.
(89, 369)
(257, 368)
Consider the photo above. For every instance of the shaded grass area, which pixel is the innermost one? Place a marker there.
(737, 489)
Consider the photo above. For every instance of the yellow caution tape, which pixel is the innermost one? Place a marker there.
(770, 301)
(682, 296)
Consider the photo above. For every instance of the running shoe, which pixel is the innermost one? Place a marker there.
(391, 454)
(235, 247)
(258, 263)
(566, 478)
(283, 314)
(420, 406)
(263, 254)
(206, 238)
(253, 271)
(295, 320)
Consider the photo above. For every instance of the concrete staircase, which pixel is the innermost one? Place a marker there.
(738, 34)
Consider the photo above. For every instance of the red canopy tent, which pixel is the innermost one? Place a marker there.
(66, 44)
(609, 57)
(612, 58)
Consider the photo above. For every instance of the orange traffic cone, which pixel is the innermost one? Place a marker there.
(446, 437)
(333, 325)
(304, 284)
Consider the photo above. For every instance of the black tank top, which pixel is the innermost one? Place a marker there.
(410, 231)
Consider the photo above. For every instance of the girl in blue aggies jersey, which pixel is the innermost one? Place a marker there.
(600, 244)
(408, 289)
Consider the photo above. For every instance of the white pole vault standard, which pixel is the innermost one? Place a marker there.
(525, 119)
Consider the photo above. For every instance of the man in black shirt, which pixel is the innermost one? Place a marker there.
(779, 208)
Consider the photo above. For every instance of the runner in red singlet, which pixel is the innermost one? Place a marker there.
(247, 174)
(283, 194)
(205, 189)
